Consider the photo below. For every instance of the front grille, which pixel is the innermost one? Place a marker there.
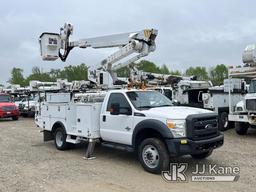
(251, 104)
(202, 126)
(8, 108)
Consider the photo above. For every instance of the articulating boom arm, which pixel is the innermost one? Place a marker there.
(141, 43)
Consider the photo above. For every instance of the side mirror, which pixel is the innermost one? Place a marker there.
(175, 102)
(115, 109)
(127, 111)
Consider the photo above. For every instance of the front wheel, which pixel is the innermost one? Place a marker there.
(60, 139)
(202, 155)
(241, 128)
(223, 121)
(15, 118)
(153, 155)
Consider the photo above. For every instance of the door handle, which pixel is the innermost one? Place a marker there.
(104, 118)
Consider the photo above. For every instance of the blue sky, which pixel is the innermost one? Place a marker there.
(198, 32)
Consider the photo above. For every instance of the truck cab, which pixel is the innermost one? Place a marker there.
(141, 121)
(246, 109)
(27, 105)
(7, 107)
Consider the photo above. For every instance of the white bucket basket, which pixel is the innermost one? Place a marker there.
(49, 46)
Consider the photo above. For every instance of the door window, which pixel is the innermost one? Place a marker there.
(118, 98)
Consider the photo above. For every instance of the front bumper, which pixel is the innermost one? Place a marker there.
(30, 112)
(176, 148)
(7, 114)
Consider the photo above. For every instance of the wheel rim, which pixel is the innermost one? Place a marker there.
(150, 156)
(59, 139)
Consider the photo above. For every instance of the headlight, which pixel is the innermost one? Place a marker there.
(177, 127)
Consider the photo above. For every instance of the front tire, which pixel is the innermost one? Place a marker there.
(15, 118)
(60, 139)
(153, 155)
(241, 128)
(202, 155)
(223, 121)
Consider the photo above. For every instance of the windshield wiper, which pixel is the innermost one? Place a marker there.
(164, 106)
(146, 106)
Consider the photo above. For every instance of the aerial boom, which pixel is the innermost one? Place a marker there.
(134, 45)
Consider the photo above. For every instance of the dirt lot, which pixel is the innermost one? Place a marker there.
(28, 164)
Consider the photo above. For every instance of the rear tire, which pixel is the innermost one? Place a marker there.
(241, 128)
(153, 155)
(60, 139)
(202, 155)
(223, 121)
(15, 118)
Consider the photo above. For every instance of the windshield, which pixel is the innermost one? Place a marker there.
(252, 88)
(148, 99)
(168, 93)
(30, 98)
(5, 98)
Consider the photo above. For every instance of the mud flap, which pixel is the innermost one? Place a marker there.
(48, 136)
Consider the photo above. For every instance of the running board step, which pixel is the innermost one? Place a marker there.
(117, 146)
(74, 141)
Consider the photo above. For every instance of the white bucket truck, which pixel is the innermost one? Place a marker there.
(137, 120)
(141, 121)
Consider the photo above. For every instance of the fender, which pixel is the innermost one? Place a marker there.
(154, 124)
(57, 124)
(48, 135)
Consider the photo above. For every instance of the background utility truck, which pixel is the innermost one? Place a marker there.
(244, 114)
(185, 91)
(217, 99)
(137, 120)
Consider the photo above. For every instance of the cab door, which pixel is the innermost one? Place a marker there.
(117, 127)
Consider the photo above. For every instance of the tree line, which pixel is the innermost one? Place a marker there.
(79, 72)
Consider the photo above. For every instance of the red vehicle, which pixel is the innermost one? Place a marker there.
(8, 108)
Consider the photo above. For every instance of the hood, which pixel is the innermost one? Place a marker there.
(31, 103)
(175, 112)
(6, 104)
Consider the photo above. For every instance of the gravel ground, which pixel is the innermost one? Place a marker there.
(29, 164)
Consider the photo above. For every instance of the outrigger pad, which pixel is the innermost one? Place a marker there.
(89, 150)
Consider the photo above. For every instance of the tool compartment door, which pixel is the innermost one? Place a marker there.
(87, 120)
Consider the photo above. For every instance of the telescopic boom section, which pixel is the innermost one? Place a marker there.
(133, 46)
